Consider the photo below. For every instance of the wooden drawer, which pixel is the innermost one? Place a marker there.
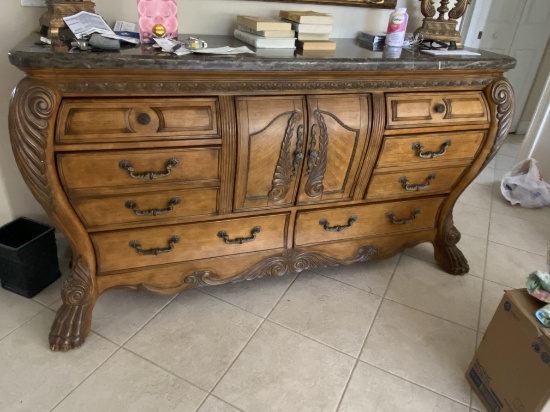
(118, 250)
(429, 148)
(435, 109)
(116, 120)
(111, 169)
(367, 220)
(419, 182)
(146, 207)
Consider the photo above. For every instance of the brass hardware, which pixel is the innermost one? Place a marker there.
(313, 155)
(430, 155)
(126, 165)
(396, 221)
(440, 108)
(337, 228)
(240, 240)
(144, 119)
(298, 155)
(130, 204)
(157, 251)
(412, 188)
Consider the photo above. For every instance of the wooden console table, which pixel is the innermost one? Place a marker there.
(169, 173)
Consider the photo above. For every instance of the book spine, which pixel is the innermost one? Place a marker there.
(248, 38)
(312, 28)
(263, 42)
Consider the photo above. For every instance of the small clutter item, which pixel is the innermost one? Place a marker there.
(510, 370)
(157, 18)
(52, 21)
(523, 185)
(397, 27)
(28, 257)
(538, 286)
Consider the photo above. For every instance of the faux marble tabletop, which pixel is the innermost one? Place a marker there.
(350, 55)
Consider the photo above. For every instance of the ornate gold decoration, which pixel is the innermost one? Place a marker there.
(441, 29)
(52, 20)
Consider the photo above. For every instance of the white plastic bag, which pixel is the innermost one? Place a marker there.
(524, 185)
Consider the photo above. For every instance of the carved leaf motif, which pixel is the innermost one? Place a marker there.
(459, 9)
(283, 170)
(31, 109)
(427, 8)
(314, 185)
(502, 94)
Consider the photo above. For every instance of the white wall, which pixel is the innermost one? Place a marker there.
(195, 17)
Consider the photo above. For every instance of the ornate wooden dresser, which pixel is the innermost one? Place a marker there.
(169, 173)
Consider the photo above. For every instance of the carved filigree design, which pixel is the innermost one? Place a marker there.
(459, 9)
(31, 111)
(447, 255)
(283, 170)
(290, 262)
(254, 87)
(72, 321)
(427, 8)
(314, 186)
(501, 94)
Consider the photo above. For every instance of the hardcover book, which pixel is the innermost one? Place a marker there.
(263, 23)
(265, 42)
(313, 36)
(308, 17)
(157, 18)
(372, 37)
(316, 45)
(267, 33)
(312, 28)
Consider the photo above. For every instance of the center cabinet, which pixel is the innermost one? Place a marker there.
(299, 150)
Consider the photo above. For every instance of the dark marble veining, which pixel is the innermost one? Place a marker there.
(349, 55)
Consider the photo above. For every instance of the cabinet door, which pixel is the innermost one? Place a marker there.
(270, 150)
(337, 141)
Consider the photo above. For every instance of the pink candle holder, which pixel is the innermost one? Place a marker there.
(157, 18)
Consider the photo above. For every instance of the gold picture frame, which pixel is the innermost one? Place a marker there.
(380, 4)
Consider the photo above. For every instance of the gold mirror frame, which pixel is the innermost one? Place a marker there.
(380, 4)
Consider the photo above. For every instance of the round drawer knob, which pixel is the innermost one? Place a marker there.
(144, 119)
(440, 108)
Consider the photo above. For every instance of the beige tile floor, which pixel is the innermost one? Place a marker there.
(390, 336)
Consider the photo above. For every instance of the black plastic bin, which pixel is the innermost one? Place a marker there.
(28, 257)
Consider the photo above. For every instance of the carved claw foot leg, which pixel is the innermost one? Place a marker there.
(447, 255)
(73, 320)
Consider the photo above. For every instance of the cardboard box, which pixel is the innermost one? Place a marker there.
(511, 368)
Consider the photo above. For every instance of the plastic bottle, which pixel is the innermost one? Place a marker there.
(396, 27)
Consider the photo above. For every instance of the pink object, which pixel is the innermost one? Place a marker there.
(157, 12)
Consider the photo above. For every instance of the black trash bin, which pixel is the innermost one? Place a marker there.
(28, 257)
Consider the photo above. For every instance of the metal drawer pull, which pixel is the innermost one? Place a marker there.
(126, 165)
(337, 228)
(430, 155)
(413, 188)
(298, 155)
(402, 221)
(240, 240)
(440, 108)
(144, 119)
(130, 204)
(136, 245)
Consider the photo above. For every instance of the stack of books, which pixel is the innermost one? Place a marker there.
(265, 32)
(372, 41)
(312, 29)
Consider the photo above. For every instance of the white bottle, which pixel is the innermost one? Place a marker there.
(396, 27)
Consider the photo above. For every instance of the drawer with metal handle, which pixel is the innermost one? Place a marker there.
(413, 182)
(327, 225)
(110, 171)
(135, 248)
(425, 149)
(102, 212)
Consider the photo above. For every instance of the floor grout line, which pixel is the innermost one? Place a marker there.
(367, 336)
(248, 342)
(23, 324)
